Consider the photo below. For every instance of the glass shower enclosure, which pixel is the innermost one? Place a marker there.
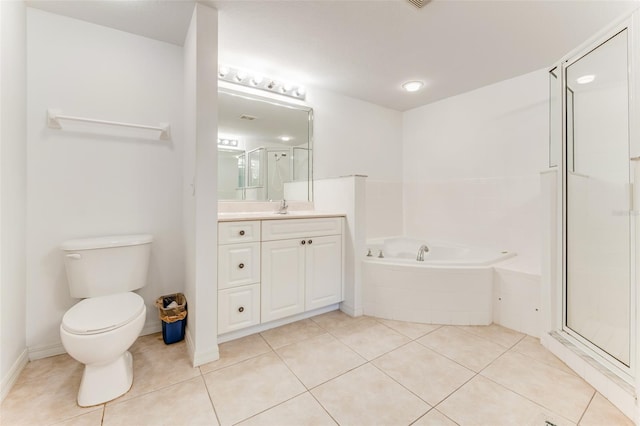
(598, 291)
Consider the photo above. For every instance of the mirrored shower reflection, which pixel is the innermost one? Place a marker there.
(598, 204)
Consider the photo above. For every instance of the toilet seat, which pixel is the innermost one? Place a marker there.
(101, 314)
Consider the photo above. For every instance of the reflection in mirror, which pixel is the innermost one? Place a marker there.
(555, 117)
(272, 159)
(598, 222)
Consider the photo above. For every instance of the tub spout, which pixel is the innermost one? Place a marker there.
(421, 251)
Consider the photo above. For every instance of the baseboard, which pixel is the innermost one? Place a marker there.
(351, 311)
(13, 374)
(156, 327)
(44, 351)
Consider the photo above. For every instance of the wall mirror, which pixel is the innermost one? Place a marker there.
(264, 148)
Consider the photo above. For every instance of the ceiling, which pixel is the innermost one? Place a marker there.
(367, 49)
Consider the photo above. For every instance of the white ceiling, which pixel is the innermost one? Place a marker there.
(367, 49)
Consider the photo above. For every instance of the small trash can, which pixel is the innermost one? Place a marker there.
(173, 314)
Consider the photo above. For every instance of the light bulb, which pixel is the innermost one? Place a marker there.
(257, 79)
(223, 71)
(241, 75)
(413, 86)
(585, 79)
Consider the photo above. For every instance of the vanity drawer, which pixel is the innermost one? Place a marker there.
(238, 308)
(238, 232)
(283, 229)
(238, 264)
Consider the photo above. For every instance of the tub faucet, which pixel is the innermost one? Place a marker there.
(283, 207)
(421, 251)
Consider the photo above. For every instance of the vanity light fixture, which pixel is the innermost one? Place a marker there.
(223, 71)
(228, 142)
(256, 81)
(585, 79)
(412, 86)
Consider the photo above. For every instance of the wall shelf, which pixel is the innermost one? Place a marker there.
(54, 117)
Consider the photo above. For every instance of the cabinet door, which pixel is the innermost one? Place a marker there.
(238, 307)
(323, 271)
(282, 291)
(238, 264)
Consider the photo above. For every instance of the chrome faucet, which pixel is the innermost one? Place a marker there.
(421, 251)
(283, 207)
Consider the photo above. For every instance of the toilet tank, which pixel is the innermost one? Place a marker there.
(106, 265)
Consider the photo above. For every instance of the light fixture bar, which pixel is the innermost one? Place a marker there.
(228, 142)
(257, 81)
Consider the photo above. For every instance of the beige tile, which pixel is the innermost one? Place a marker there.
(151, 342)
(496, 333)
(602, 412)
(366, 396)
(319, 359)
(46, 400)
(250, 387)
(301, 410)
(236, 351)
(412, 330)
(430, 376)
(59, 364)
(185, 403)
(370, 340)
(159, 367)
(291, 333)
(560, 392)
(337, 319)
(531, 347)
(434, 418)
(465, 348)
(483, 402)
(93, 418)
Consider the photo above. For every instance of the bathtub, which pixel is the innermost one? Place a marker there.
(453, 285)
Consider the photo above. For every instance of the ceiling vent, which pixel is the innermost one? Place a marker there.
(418, 3)
(247, 117)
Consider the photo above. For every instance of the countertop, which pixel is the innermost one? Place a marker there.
(300, 214)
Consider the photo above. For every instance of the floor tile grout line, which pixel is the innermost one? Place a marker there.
(213, 406)
(269, 408)
(587, 407)
(406, 388)
(324, 408)
(547, 409)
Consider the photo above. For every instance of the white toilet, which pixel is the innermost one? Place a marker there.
(98, 330)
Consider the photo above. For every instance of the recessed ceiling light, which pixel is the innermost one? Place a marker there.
(285, 138)
(585, 79)
(412, 86)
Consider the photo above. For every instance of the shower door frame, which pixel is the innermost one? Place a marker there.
(627, 373)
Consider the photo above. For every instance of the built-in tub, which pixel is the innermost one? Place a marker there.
(453, 285)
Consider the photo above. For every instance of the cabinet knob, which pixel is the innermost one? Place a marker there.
(241, 265)
(310, 241)
(241, 232)
(241, 309)
(303, 242)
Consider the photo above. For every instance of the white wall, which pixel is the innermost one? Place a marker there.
(90, 181)
(471, 167)
(200, 166)
(356, 137)
(13, 191)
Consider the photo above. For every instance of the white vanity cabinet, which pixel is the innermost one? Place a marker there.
(302, 266)
(270, 269)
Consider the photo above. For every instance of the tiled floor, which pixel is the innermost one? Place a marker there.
(326, 370)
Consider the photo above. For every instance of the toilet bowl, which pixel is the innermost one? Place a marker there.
(99, 330)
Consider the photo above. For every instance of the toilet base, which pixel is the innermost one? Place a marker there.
(105, 382)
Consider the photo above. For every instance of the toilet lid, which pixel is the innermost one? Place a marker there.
(100, 314)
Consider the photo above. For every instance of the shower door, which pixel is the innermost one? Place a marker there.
(598, 244)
